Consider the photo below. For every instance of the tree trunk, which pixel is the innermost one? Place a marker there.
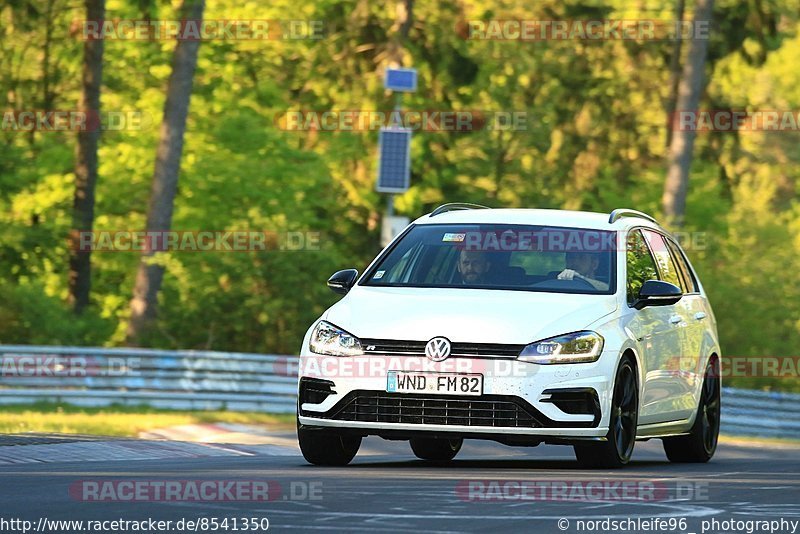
(80, 267)
(675, 69)
(165, 177)
(682, 146)
(404, 19)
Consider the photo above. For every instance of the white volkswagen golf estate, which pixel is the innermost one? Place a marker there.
(520, 326)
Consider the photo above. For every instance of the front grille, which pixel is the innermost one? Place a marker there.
(486, 349)
(417, 348)
(425, 409)
(419, 409)
(391, 346)
(379, 407)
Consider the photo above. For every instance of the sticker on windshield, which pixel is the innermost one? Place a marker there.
(378, 274)
(453, 238)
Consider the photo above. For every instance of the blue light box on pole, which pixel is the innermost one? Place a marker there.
(394, 160)
(404, 80)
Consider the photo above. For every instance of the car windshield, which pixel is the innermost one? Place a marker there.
(492, 256)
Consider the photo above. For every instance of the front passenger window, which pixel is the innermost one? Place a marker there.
(669, 273)
(641, 266)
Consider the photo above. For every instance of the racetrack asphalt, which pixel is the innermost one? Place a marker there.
(488, 487)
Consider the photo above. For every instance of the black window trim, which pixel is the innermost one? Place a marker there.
(684, 283)
(690, 269)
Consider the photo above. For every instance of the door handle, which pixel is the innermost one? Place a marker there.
(700, 316)
(675, 319)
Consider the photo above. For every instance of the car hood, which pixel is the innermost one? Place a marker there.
(465, 315)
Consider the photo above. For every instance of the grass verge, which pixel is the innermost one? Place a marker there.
(117, 420)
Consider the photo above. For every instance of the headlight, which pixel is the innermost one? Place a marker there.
(333, 341)
(577, 347)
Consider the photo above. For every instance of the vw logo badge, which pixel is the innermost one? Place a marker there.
(438, 349)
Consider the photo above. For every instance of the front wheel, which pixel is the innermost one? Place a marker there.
(617, 449)
(701, 442)
(437, 450)
(323, 447)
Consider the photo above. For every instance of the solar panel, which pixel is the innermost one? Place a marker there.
(394, 160)
(400, 79)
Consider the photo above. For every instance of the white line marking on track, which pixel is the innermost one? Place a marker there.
(679, 512)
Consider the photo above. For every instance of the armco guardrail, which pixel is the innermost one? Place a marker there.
(183, 380)
(207, 380)
(760, 413)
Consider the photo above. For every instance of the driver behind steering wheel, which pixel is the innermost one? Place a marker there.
(582, 265)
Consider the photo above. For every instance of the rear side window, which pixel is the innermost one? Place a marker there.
(641, 266)
(667, 268)
(683, 267)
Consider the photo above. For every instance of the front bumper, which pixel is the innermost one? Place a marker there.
(519, 399)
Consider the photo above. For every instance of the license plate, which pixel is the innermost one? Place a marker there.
(440, 383)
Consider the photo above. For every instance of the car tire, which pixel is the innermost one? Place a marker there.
(322, 447)
(436, 450)
(617, 449)
(701, 442)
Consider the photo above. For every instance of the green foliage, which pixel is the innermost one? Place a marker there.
(595, 138)
(30, 316)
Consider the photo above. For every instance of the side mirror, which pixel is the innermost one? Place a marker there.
(342, 281)
(657, 293)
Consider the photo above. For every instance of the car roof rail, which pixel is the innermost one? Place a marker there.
(625, 212)
(453, 206)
